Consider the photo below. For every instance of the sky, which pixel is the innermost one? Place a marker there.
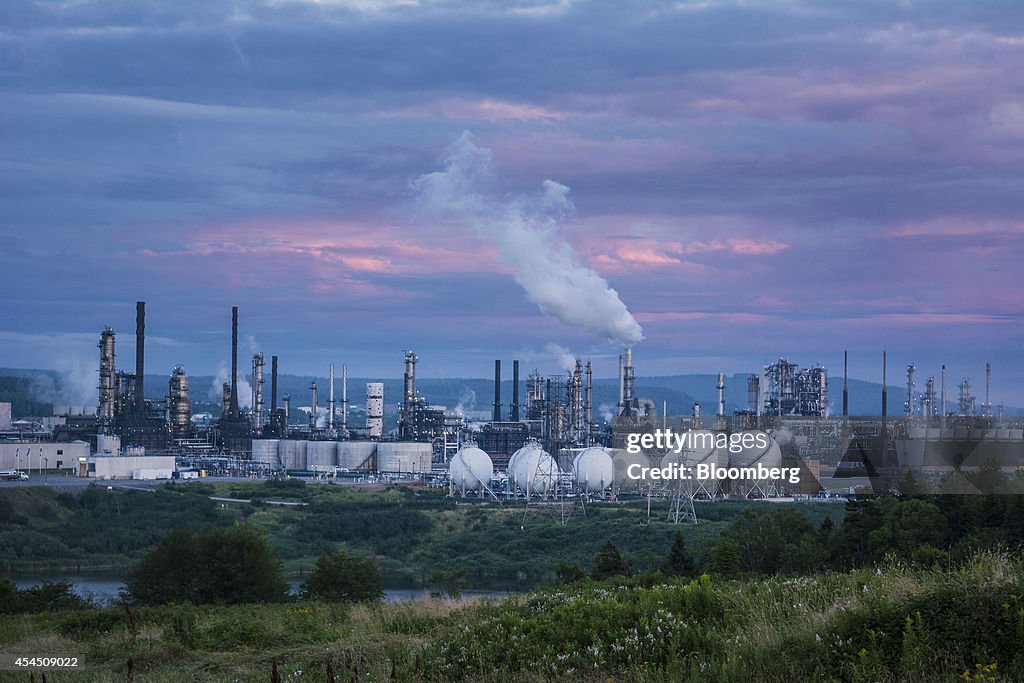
(718, 183)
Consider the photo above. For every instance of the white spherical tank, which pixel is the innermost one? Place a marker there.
(594, 470)
(700, 449)
(534, 471)
(471, 469)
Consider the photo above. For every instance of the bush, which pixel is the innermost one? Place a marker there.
(231, 566)
(344, 578)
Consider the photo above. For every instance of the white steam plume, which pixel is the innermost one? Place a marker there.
(525, 232)
(216, 393)
(566, 361)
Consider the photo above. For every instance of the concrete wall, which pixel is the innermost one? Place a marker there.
(33, 454)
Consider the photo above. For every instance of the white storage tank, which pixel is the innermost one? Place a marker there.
(108, 444)
(703, 452)
(403, 456)
(534, 470)
(594, 470)
(292, 454)
(621, 461)
(321, 455)
(264, 451)
(357, 455)
(470, 469)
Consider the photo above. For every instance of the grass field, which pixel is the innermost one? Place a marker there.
(891, 623)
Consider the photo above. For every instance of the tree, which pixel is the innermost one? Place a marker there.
(344, 578)
(218, 566)
(679, 562)
(724, 558)
(569, 573)
(609, 562)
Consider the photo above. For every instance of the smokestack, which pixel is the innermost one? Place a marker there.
(627, 379)
(313, 406)
(226, 400)
(622, 374)
(988, 389)
(885, 423)
(588, 400)
(514, 416)
(721, 394)
(344, 397)
(273, 387)
(885, 395)
(234, 361)
(943, 400)
(287, 412)
(497, 391)
(140, 355)
(330, 401)
(846, 386)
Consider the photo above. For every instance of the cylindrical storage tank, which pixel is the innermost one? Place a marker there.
(621, 461)
(375, 409)
(357, 455)
(535, 471)
(292, 454)
(470, 469)
(108, 443)
(264, 451)
(594, 470)
(321, 455)
(403, 456)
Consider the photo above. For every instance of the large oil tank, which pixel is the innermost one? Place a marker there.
(403, 456)
(470, 469)
(593, 470)
(534, 471)
(264, 451)
(621, 461)
(765, 451)
(108, 444)
(357, 455)
(321, 455)
(292, 454)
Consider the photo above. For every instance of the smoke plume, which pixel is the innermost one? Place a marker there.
(525, 231)
(566, 361)
(216, 392)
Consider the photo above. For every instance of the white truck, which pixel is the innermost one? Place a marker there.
(13, 475)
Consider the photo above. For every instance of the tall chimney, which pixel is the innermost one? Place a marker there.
(273, 388)
(314, 409)
(497, 391)
(943, 400)
(140, 355)
(885, 423)
(622, 375)
(846, 386)
(988, 390)
(330, 401)
(234, 361)
(588, 400)
(514, 416)
(344, 397)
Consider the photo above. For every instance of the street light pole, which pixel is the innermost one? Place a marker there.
(46, 471)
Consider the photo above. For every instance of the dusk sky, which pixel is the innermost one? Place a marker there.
(740, 180)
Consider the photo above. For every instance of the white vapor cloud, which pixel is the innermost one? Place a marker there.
(525, 231)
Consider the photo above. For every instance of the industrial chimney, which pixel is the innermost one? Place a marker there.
(514, 416)
(234, 361)
(846, 387)
(140, 355)
(497, 391)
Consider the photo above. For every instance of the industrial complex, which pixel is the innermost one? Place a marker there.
(546, 444)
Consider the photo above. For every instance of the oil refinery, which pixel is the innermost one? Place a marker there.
(545, 445)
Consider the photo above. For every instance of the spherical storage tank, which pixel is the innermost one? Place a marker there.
(594, 470)
(471, 469)
(533, 470)
(621, 461)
